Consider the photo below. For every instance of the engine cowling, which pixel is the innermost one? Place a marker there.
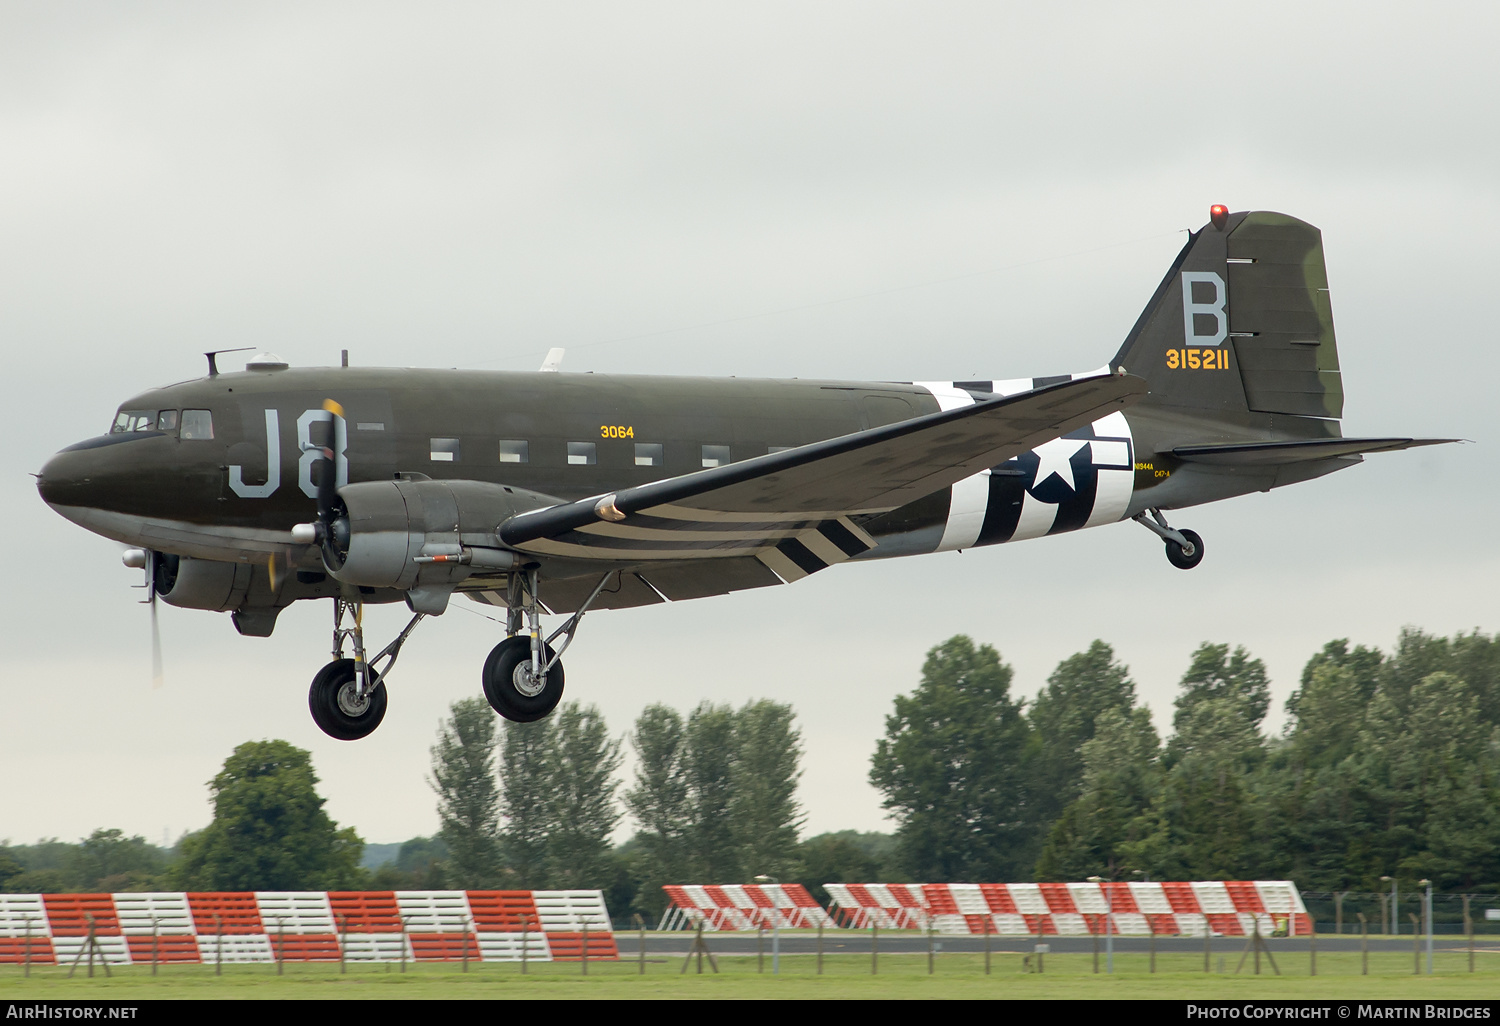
(201, 583)
(424, 534)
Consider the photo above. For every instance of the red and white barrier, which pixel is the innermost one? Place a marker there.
(742, 907)
(1222, 907)
(308, 926)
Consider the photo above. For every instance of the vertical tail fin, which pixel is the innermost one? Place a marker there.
(1242, 323)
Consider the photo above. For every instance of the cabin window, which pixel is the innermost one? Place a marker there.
(133, 420)
(582, 454)
(715, 455)
(443, 450)
(514, 451)
(166, 420)
(197, 424)
(648, 454)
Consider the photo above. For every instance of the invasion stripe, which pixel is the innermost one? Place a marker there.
(844, 538)
(821, 547)
(781, 566)
(800, 554)
(685, 534)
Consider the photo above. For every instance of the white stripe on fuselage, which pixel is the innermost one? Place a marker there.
(969, 498)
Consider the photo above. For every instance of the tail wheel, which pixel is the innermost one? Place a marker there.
(337, 706)
(512, 690)
(1181, 558)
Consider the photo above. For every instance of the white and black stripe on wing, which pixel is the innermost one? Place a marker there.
(792, 548)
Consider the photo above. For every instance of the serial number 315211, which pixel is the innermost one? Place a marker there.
(1198, 359)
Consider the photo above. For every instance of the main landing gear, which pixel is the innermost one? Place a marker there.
(1184, 548)
(347, 697)
(523, 676)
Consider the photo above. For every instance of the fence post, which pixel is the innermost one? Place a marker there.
(929, 947)
(1094, 936)
(1208, 944)
(1364, 945)
(820, 948)
(523, 944)
(280, 945)
(874, 946)
(404, 942)
(641, 950)
(343, 934)
(585, 959)
(1416, 945)
(986, 944)
(219, 945)
(1152, 930)
(1338, 911)
(155, 942)
(27, 956)
(1312, 946)
(463, 939)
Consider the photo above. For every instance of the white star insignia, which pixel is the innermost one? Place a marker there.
(1054, 456)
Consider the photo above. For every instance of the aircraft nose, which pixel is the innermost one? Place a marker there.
(64, 479)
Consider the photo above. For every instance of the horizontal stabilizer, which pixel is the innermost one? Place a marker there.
(1299, 450)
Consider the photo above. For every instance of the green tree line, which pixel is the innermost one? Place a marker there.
(1389, 766)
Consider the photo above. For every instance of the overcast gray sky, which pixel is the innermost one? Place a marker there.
(864, 190)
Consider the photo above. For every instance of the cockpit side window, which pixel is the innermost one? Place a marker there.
(197, 424)
(133, 420)
(166, 420)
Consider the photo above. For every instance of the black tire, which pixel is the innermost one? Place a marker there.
(344, 720)
(505, 674)
(1182, 560)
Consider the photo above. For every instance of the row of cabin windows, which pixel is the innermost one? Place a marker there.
(582, 454)
(182, 423)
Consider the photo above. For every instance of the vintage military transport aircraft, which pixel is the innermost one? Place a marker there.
(562, 493)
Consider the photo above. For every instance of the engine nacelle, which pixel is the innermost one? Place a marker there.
(201, 583)
(418, 535)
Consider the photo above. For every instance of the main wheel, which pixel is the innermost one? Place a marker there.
(337, 707)
(510, 687)
(1181, 559)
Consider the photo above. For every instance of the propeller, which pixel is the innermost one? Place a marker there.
(333, 518)
(330, 532)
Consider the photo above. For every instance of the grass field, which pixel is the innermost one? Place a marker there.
(845, 976)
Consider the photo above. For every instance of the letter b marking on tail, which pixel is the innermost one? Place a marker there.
(1192, 311)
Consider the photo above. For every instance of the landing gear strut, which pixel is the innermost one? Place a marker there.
(347, 698)
(1184, 548)
(523, 676)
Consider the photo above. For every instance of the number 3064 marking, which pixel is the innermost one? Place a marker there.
(1198, 359)
(616, 431)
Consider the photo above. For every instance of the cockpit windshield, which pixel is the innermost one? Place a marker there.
(134, 420)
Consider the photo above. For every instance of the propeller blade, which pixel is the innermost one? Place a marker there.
(330, 509)
(157, 677)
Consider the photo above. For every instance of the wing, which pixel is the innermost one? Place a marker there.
(790, 511)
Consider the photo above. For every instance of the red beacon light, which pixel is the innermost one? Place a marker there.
(1219, 215)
